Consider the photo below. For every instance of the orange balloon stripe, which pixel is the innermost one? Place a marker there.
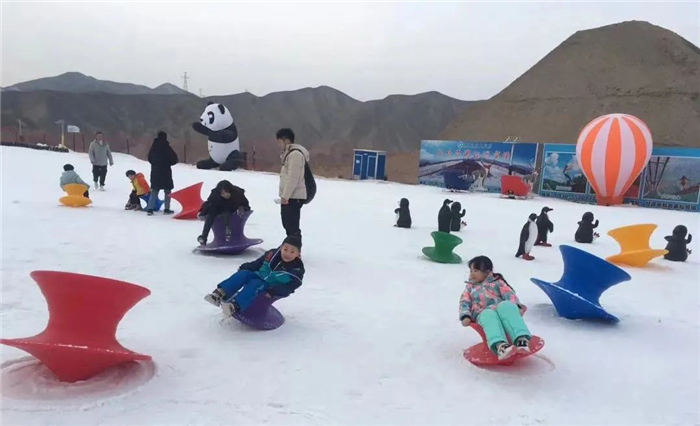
(640, 150)
(587, 154)
(613, 156)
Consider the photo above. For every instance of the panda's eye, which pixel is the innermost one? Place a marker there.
(211, 117)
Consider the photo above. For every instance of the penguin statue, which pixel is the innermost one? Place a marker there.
(677, 244)
(585, 233)
(403, 214)
(445, 217)
(544, 226)
(528, 236)
(456, 223)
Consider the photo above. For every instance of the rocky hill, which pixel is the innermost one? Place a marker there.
(327, 121)
(75, 82)
(631, 67)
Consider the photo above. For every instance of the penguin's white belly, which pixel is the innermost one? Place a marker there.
(219, 151)
(531, 238)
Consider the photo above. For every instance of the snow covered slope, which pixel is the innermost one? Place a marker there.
(372, 337)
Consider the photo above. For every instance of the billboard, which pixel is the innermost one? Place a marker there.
(670, 180)
(458, 165)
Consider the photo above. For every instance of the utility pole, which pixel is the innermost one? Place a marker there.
(184, 82)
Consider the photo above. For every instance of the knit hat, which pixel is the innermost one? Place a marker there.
(68, 167)
(293, 240)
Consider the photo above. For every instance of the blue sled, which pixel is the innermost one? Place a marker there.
(159, 202)
(577, 294)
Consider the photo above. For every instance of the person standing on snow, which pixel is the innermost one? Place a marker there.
(162, 157)
(292, 188)
(100, 155)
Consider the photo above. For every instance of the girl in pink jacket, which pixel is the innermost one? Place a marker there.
(492, 303)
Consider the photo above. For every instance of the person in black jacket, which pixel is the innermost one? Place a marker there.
(677, 244)
(277, 273)
(224, 199)
(162, 157)
(403, 214)
(544, 226)
(456, 222)
(585, 233)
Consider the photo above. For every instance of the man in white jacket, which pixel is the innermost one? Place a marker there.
(292, 189)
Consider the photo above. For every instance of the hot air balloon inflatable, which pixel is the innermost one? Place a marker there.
(612, 151)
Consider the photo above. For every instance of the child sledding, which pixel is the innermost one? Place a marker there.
(277, 273)
(225, 198)
(491, 302)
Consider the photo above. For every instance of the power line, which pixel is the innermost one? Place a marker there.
(184, 82)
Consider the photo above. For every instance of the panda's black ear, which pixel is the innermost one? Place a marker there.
(210, 103)
(222, 109)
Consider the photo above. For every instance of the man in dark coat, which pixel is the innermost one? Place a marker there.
(162, 157)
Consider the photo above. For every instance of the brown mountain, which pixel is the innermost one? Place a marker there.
(76, 82)
(631, 67)
(326, 121)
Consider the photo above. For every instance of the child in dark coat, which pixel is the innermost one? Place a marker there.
(277, 273)
(585, 233)
(403, 214)
(456, 223)
(224, 199)
(677, 244)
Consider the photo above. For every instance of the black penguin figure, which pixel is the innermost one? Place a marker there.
(528, 236)
(403, 214)
(544, 226)
(456, 222)
(585, 233)
(445, 217)
(677, 250)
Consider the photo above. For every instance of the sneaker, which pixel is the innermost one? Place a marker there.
(522, 344)
(505, 351)
(229, 308)
(129, 207)
(102, 187)
(215, 297)
(150, 212)
(168, 211)
(201, 240)
(96, 186)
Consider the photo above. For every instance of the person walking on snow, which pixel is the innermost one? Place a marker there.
(100, 155)
(162, 157)
(292, 188)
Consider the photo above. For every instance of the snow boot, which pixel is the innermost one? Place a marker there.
(149, 212)
(229, 308)
(168, 211)
(522, 344)
(215, 297)
(201, 240)
(504, 351)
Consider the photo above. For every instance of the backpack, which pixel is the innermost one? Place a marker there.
(309, 180)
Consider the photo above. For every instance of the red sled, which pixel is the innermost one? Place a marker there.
(514, 187)
(480, 354)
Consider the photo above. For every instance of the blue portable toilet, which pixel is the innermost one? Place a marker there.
(369, 164)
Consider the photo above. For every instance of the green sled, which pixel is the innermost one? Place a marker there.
(444, 244)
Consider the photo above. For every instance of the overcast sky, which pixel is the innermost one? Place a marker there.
(465, 50)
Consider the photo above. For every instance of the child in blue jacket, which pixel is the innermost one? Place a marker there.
(278, 273)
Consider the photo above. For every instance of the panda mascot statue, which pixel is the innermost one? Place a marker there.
(216, 123)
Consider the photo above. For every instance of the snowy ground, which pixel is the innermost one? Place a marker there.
(372, 337)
